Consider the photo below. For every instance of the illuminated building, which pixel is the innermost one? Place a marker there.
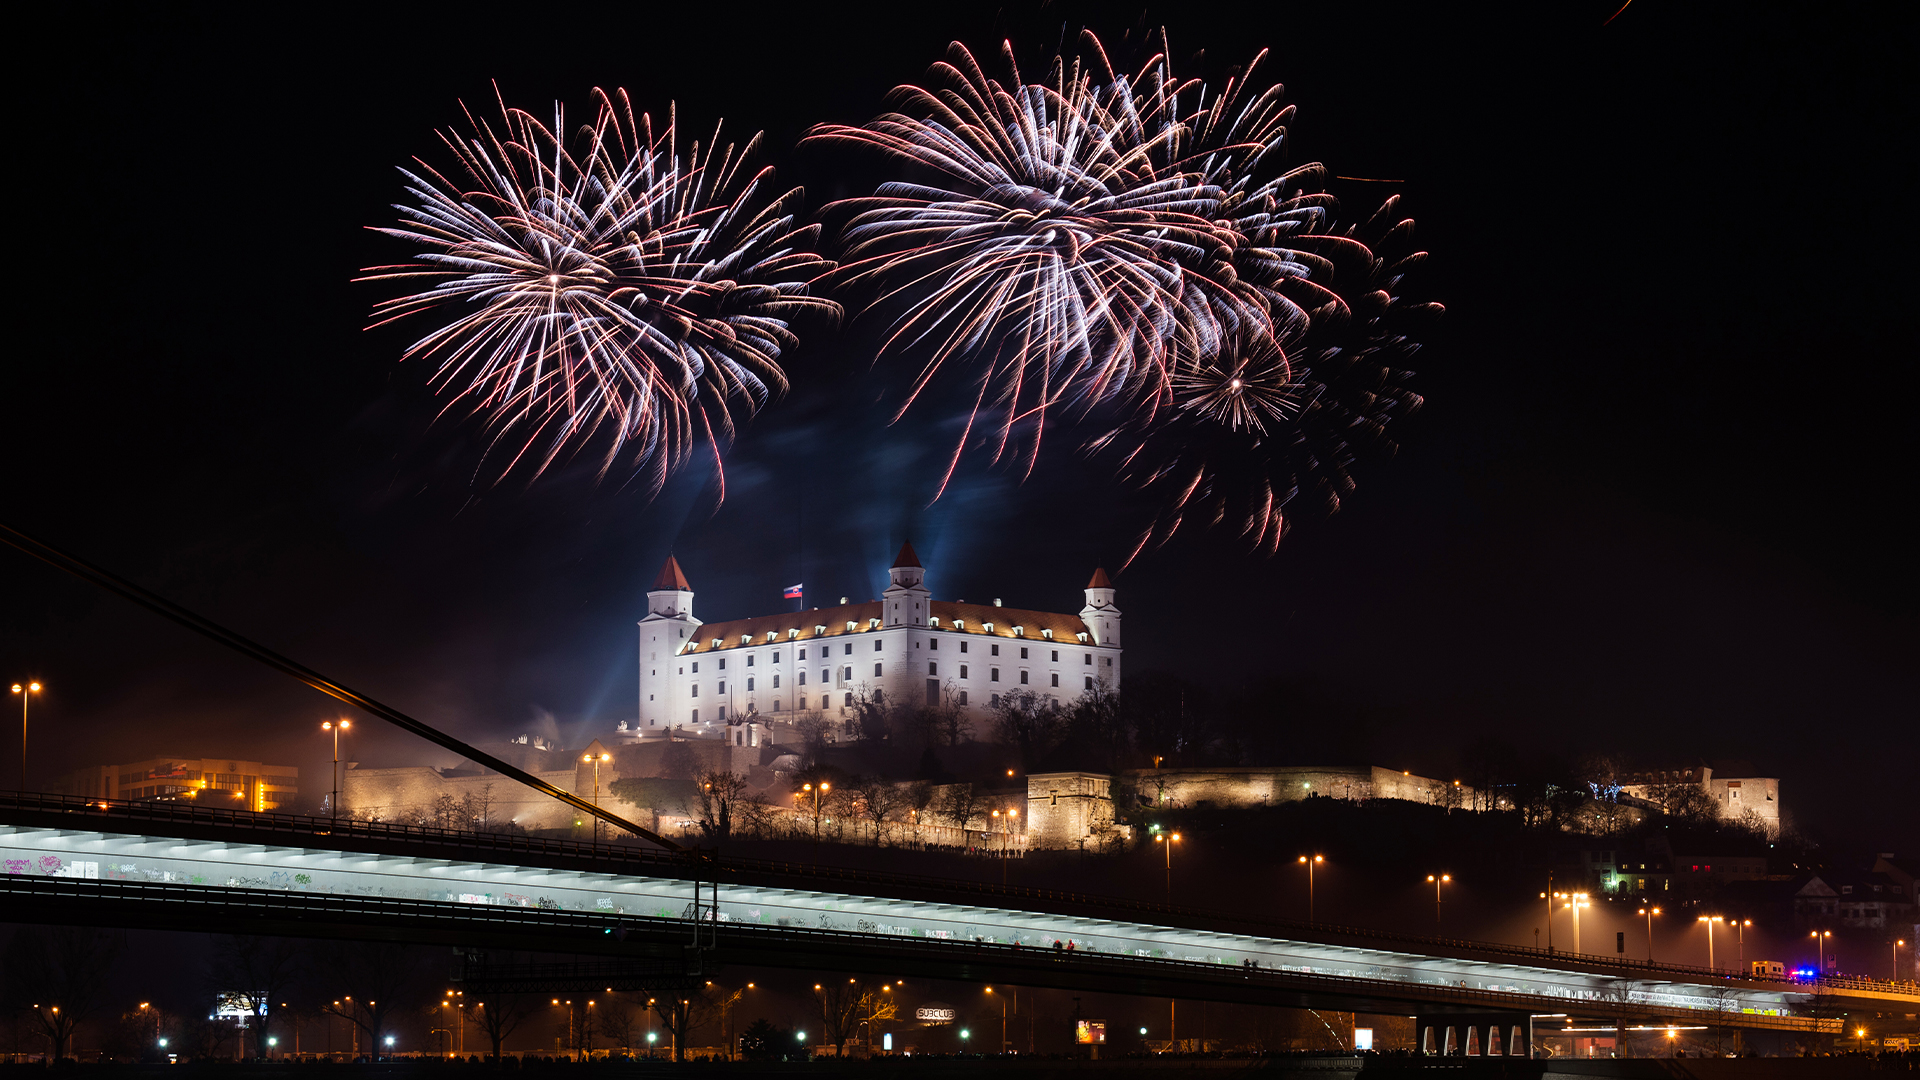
(248, 785)
(730, 679)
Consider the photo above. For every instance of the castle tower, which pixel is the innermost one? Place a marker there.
(907, 600)
(1101, 617)
(663, 633)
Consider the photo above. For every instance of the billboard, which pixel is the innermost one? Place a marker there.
(934, 1013)
(1090, 1032)
(235, 1003)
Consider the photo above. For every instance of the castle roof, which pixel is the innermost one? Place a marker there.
(907, 557)
(671, 579)
(1100, 580)
(948, 617)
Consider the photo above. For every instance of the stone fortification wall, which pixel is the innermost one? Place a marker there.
(405, 794)
(1071, 810)
(1265, 786)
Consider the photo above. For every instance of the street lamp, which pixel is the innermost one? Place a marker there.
(1004, 1044)
(1169, 839)
(1895, 975)
(1437, 882)
(1740, 936)
(1649, 912)
(1310, 864)
(1710, 920)
(596, 759)
(1575, 901)
(816, 789)
(25, 691)
(1820, 939)
(336, 727)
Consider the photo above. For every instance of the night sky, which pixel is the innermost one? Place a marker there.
(1657, 505)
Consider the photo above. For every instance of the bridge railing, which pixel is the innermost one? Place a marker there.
(630, 854)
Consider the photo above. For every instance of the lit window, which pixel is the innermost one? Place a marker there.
(1047, 632)
(1019, 631)
(934, 622)
(820, 629)
(873, 624)
(989, 627)
(746, 639)
(772, 636)
(850, 625)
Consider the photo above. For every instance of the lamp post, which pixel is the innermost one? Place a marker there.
(1820, 940)
(816, 789)
(595, 760)
(1710, 920)
(1310, 864)
(1169, 839)
(1740, 938)
(1004, 1045)
(25, 691)
(1894, 976)
(1438, 881)
(1649, 912)
(1575, 901)
(336, 726)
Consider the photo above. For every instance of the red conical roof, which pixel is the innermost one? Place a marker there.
(1100, 580)
(671, 578)
(907, 557)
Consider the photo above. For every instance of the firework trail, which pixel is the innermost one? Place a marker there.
(605, 286)
(1051, 252)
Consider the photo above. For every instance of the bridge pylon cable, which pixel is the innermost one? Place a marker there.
(253, 650)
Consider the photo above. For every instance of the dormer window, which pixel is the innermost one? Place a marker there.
(851, 625)
(717, 643)
(773, 636)
(934, 623)
(793, 633)
(1047, 633)
(1019, 631)
(819, 629)
(1082, 635)
(746, 639)
(989, 627)
(873, 624)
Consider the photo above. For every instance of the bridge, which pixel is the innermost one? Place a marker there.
(627, 911)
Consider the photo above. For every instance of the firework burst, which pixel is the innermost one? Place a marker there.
(606, 286)
(1054, 253)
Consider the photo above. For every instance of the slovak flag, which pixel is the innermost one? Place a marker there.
(793, 592)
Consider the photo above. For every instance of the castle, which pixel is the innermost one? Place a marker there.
(904, 649)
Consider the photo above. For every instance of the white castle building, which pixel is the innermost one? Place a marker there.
(731, 679)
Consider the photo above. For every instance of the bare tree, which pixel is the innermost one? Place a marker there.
(720, 800)
(840, 1011)
(498, 1015)
(261, 969)
(877, 800)
(57, 976)
(683, 1015)
(1028, 723)
(364, 982)
(958, 805)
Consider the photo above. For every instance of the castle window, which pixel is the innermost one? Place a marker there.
(773, 659)
(963, 671)
(693, 690)
(993, 675)
(848, 701)
(933, 667)
(995, 648)
(1056, 678)
(850, 625)
(1089, 682)
(772, 636)
(721, 689)
(1023, 676)
(847, 676)
(963, 697)
(963, 646)
(1082, 635)
(723, 712)
(876, 671)
(776, 682)
(959, 624)
(696, 667)
(1047, 632)
(849, 646)
(793, 632)
(749, 684)
(989, 627)
(776, 704)
(818, 630)
(1019, 631)
(934, 622)
(994, 702)
(746, 639)
(802, 656)
(876, 644)
(717, 643)
(1023, 652)
(723, 663)
(749, 659)
(1056, 656)
(1108, 659)
(873, 624)
(683, 635)
(803, 678)
(1089, 659)
(696, 716)
(932, 643)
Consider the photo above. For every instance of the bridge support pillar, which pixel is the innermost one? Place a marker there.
(1474, 1034)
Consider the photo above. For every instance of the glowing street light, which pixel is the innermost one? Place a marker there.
(25, 691)
(1575, 901)
(1820, 939)
(816, 789)
(1438, 881)
(596, 759)
(1310, 864)
(1710, 920)
(1649, 912)
(1740, 936)
(1169, 839)
(336, 727)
